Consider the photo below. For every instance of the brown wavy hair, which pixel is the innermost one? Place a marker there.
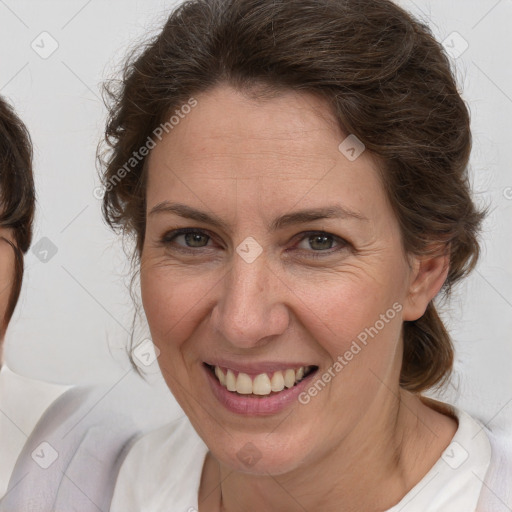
(386, 79)
(17, 194)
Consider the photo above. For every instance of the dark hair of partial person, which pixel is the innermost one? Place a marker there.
(386, 79)
(17, 194)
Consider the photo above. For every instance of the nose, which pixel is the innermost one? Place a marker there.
(251, 309)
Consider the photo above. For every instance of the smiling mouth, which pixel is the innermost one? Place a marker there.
(262, 385)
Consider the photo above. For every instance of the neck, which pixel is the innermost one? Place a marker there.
(371, 469)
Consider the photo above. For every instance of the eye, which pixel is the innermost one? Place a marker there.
(321, 242)
(192, 238)
(316, 244)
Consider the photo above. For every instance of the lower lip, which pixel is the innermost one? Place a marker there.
(255, 406)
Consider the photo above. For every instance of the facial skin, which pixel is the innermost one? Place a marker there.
(7, 260)
(361, 441)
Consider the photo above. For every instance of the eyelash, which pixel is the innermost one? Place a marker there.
(169, 237)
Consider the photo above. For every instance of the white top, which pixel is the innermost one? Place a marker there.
(163, 471)
(22, 402)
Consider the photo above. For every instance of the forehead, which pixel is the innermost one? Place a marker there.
(225, 123)
(279, 149)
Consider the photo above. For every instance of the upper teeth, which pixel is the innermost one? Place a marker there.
(262, 384)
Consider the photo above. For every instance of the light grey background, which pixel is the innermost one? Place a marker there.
(74, 318)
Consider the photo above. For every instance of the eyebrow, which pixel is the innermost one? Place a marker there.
(289, 219)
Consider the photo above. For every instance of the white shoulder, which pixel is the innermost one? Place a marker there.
(497, 491)
(156, 465)
(501, 444)
(150, 445)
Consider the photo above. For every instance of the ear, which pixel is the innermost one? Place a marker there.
(428, 274)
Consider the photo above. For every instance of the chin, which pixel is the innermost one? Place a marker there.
(258, 455)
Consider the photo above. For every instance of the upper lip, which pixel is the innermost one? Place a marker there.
(259, 367)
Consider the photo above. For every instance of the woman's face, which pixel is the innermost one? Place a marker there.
(7, 260)
(292, 258)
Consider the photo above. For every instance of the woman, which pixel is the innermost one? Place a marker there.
(17, 205)
(295, 176)
(58, 449)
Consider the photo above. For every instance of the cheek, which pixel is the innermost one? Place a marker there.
(356, 321)
(338, 308)
(357, 327)
(170, 302)
(173, 302)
